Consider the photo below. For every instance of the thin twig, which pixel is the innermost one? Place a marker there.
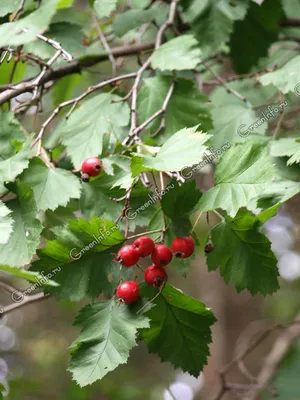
(28, 85)
(27, 300)
(276, 355)
(223, 83)
(15, 16)
(143, 234)
(76, 100)
(158, 42)
(105, 44)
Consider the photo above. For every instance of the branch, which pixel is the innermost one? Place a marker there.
(295, 22)
(70, 68)
(223, 83)
(105, 43)
(19, 10)
(162, 111)
(158, 42)
(75, 101)
(27, 300)
(259, 383)
(280, 348)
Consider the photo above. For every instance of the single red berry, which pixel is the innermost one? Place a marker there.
(128, 256)
(144, 246)
(183, 247)
(85, 42)
(155, 276)
(161, 255)
(128, 292)
(91, 166)
(209, 247)
(85, 177)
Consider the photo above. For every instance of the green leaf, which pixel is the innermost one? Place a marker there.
(10, 130)
(232, 117)
(131, 19)
(104, 8)
(25, 237)
(184, 149)
(11, 167)
(188, 106)
(274, 196)
(286, 378)
(83, 133)
(181, 199)
(52, 187)
(179, 329)
(244, 255)
(109, 331)
(69, 35)
(178, 203)
(286, 78)
(30, 276)
(291, 8)
(64, 88)
(79, 250)
(177, 54)
(243, 172)
(212, 21)
(252, 37)
(95, 200)
(6, 223)
(64, 4)
(286, 147)
(12, 33)
(7, 7)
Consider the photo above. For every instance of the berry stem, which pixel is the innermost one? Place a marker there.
(219, 215)
(143, 234)
(197, 220)
(140, 267)
(154, 298)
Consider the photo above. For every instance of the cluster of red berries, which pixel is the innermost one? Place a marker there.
(161, 256)
(92, 166)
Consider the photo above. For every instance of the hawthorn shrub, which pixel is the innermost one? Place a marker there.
(109, 112)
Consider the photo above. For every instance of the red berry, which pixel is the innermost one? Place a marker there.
(128, 292)
(144, 246)
(161, 255)
(128, 256)
(91, 166)
(155, 276)
(85, 42)
(183, 247)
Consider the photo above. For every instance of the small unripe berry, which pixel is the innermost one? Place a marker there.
(85, 177)
(144, 245)
(91, 166)
(128, 256)
(161, 255)
(209, 247)
(183, 247)
(155, 276)
(128, 292)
